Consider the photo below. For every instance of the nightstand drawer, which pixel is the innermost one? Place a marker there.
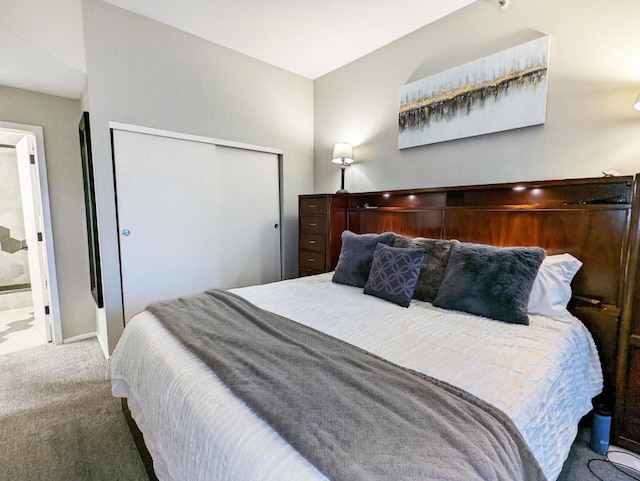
(313, 225)
(313, 242)
(311, 260)
(308, 272)
(313, 206)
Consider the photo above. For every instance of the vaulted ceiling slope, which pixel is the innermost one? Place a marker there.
(42, 47)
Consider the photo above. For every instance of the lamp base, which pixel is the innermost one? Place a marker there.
(342, 191)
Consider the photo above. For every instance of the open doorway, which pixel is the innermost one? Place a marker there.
(28, 288)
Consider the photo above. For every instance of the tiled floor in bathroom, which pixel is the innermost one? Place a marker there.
(17, 324)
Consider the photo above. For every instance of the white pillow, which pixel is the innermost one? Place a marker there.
(551, 290)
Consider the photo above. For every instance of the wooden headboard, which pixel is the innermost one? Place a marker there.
(588, 218)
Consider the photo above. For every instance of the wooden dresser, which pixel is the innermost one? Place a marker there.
(626, 415)
(322, 218)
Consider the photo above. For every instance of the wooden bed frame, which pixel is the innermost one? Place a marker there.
(595, 220)
(588, 218)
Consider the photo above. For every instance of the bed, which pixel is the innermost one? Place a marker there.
(543, 376)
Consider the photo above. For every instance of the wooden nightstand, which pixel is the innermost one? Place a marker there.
(322, 218)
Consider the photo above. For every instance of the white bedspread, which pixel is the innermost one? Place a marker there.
(542, 375)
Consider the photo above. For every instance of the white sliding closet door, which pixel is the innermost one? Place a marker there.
(193, 216)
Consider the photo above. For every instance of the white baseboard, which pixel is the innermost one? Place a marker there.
(81, 337)
(103, 346)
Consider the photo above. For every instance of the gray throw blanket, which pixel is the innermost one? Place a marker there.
(353, 415)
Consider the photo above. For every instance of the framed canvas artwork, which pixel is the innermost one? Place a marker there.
(503, 91)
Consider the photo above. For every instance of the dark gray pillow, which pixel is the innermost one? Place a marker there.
(490, 281)
(356, 256)
(436, 257)
(394, 273)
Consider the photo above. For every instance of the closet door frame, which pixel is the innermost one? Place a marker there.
(118, 126)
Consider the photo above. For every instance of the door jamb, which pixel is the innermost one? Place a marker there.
(55, 321)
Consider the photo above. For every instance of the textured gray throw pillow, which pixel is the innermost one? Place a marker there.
(356, 256)
(436, 257)
(394, 273)
(490, 281)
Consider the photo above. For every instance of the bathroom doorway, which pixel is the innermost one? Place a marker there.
(28, 288)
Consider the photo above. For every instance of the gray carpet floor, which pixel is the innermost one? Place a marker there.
(576, 467)
(59, 422)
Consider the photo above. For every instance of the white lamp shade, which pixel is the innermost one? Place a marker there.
(342, 153)
(636, 105)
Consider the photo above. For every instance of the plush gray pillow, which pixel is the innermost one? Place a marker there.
(356, 256)
(490, 281)
(394, 273)
(436, 257)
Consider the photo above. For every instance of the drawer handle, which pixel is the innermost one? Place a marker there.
(311, 260)
(312, 225)
(312, 206)
(312, 242)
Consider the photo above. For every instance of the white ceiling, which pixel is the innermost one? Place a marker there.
(45, 52)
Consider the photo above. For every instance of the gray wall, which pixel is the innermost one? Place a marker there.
(145, 73)
(594, 77)
(59, 119)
